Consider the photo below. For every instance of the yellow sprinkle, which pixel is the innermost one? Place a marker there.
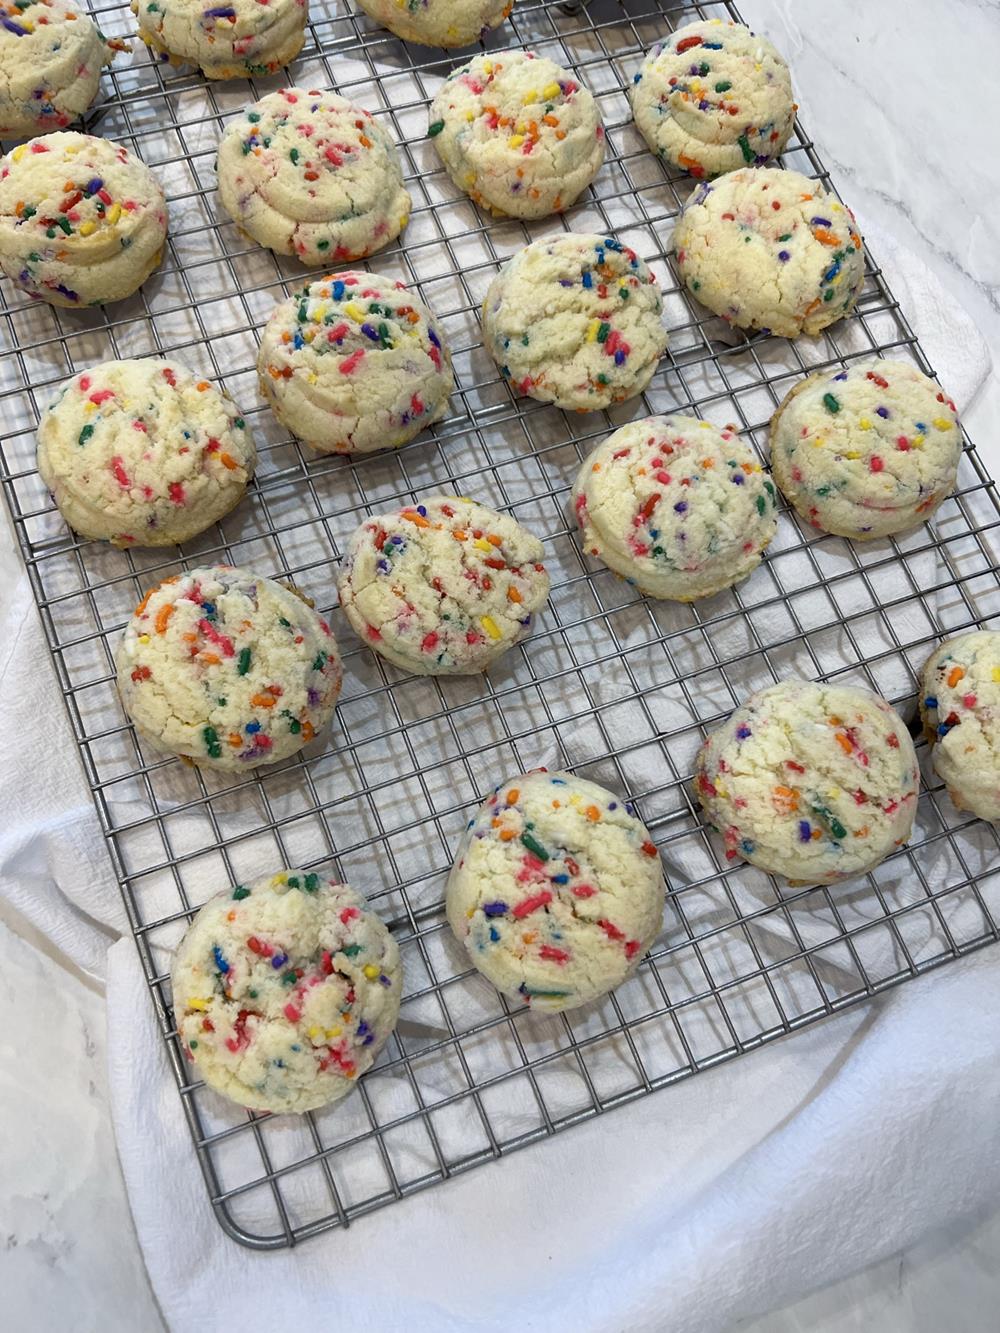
(333, 1032)
(491, 627)
(941, 424)
(144, 638)
(470, 912)
(201, 1005)
(515, 141)
(312, 378)
(917, 441)
(996, 674)
(355, 312)
(278, 879)
(470, 115)
(18, 153)
(89, 406)
(314, 1032)
(370, 971)
(481, 544)
(550, 90)
(114, 213)
(592, 330)
(87, 228)
(852, 453)
(865, 423)
(529, 97)
(319, 312)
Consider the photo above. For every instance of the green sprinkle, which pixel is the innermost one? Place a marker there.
(830, 403)
(28, 211)
(252, 994)
(282, 621)
(292, 881)
(85, 435)
(602, 333)
(320, 662)
(745, 148)
(294, 155)
(311, 883)
(240, 892)
(253, 117)
(829, 294)
(534, 847)
(243, 663)
(696, 284)
(193, 1043)
(602, 379)
(761, 504)
(787, 236)
(837, 828)
(623, 293)
(322, 245)
(288, 978)
(240, 424)
(212, 742)
(723, 87)
(351, 950)
(436, 128)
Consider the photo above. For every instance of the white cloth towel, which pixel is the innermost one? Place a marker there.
(718, 1199)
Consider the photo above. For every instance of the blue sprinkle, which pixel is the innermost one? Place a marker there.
(384, 980)
(94, 185)
(743, 731)
(637, 78)
(711, 46)
(931, 701)
(494, 909)
(588, 278)
(338, 291)
(252, 728)
(560, 879)
(494, 934)
(784, 256)
(737, 479)
(208, 608)
(433, 337)
(746, 846)
(565, 282)
(829, 276)
(610, 243)
(821, 222)
(841, 376)
(612, 805)
(680, 507)
(370, 331)
(882, 412)
(619, 357)
(298, 340)
(805, 832)
(220, 961)
(279, 960)
(422, 511)
(943, 729)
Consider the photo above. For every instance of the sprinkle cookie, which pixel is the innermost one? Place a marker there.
(51, 57)
(557, 890)
(309, 174)
(82, 220)
(226, 41)
(960, 710)
(227, 669)
(575, 321)
(712, 97)
(770, 250)
(816, 782)
(675, 506)
(519, 134)
(443, 588)
(355, 363)
(144, 453)
(867, 451)
(285, 991)
(445, 23)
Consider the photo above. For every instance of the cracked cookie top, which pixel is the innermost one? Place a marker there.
(285, 991)
(576, 321)
(443, 587)
(227, 669)
(557, 890)
(770, 250)
(312, 175)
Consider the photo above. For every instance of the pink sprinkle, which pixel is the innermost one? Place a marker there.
(429, 642)
(351, 363)
(292, 1013)
(610, 929)
(553, 954)
(101, 396)
(118, 468)
(528, 905)
(348, 914)
(220, 640)
(876, 464)
(969, 700)
(176, 492)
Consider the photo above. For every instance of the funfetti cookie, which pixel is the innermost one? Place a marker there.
(444, 587)
(866, 451)
(312, 175)
(225, 41)
(355, 363)
(712, 97)
(285, 990)
(447, 23)
(143, 452)
(227, 669)
(51, 56)
(813, 781)
(556, 891)
(676, 506)
(518, 133)
(770, 250)
(82, 220)
(575, 320)
(960, 709)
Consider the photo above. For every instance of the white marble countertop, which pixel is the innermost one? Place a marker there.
(900, 101)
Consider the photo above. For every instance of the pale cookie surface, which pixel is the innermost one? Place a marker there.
(285, 991)
(51, 57)
(676, 506)
(312, 175)
(444, 587)
(816, 782)
(82, 220)
(867, 451)
(575, 321)
(227, 669)
(712, 97)
(354, 363)
(770, 250)
(438, 22)
(518, 133)
(225, 41)
(144, 453)
(960, 709)
(557, 890)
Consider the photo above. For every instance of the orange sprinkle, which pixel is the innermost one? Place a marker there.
(861, 832)
(308, 730)
(688, 162)
(506, 834)
(235, 739)
(835, 721)
(202, 385)
(513, 595)
(163, 617)
(825, 236)
(530, 936)
(560, 134)
(550, 120)
(142, 605)
(262, 701)
(211, 659)
(842, 740)
(955, 675)
(190, 637)
(227, 460)
(592, 813)
(493, 539)
(513, 796)
(460, 534)
(364, 140)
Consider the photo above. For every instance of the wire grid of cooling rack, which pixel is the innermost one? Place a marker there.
(613, 686)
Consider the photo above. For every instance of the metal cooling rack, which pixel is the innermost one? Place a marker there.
(616, 687)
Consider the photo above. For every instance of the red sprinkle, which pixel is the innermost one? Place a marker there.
(687, 44)
(529, 905)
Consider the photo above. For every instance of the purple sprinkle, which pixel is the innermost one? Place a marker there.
(220, 12)
(702, 193)
(279, 960)
(784, 256)
(680, 507)
(743, 732)
(841, 376)
(821, 222)
(313, 696)
(93, 186)
(69, 295)
(422, 511)
(737, 478)
(433, 337)
(882, 412)
(384, 980)
(370, 331)
(565, 282)
(805, 832)
(494, 909)
(11, 26)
